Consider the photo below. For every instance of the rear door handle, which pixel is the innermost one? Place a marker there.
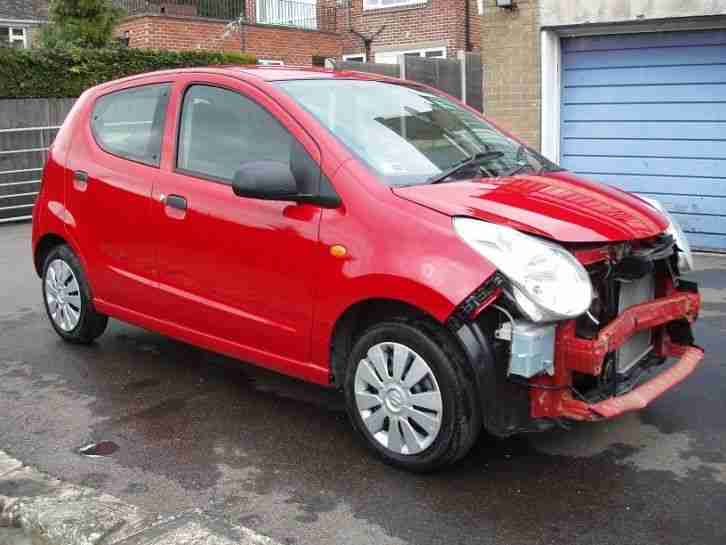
(80, 180)
(175, 201)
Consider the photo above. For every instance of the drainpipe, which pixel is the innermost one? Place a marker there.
(467, 25)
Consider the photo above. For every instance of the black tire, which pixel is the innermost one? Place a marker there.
(461, 417)
(91, 324)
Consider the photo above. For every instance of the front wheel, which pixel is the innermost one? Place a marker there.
(407, 394)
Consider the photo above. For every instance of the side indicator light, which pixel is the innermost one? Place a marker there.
(338, 251)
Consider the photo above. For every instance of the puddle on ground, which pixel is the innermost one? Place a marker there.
(99, 450)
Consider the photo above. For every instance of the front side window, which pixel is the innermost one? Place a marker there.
(222, 130)
(410, 136)
(130, 123)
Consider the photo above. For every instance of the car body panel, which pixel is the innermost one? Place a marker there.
(557, 205)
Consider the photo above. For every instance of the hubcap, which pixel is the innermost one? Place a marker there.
(398, 398)
(63, 295)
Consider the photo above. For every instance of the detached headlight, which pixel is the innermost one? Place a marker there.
(548, 282)
(685, 256)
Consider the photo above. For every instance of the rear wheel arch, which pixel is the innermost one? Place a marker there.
(43, 247)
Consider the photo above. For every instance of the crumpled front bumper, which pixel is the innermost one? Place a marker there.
(552, 397)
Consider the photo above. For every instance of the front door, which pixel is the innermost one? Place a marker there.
(235, 269)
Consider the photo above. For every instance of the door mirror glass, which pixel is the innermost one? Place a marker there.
(269, 180)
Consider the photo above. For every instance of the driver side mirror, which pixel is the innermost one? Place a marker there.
(267, 180)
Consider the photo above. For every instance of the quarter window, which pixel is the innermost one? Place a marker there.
(130, 123)
(222, 130)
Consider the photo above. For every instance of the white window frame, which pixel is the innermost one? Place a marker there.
(270, 62)
(368, 4)
(421, 53)
(355, 56)
(13, 39)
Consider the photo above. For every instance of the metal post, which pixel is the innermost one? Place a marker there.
(462, 65)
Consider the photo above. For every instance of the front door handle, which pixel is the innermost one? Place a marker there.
(175, 201)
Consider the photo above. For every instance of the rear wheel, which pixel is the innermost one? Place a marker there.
(67, 298)
(408, 396)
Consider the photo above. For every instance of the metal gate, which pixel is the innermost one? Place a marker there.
(27, 128)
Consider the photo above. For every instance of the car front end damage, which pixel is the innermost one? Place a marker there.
(632, 344)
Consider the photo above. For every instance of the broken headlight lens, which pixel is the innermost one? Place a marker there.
(548, 283)
(685, 256)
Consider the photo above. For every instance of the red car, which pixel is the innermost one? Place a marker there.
(368, 234)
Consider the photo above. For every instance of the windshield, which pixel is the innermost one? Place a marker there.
(409, 136)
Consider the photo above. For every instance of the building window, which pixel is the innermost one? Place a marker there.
(13, 37)
(379, 4)
(268, 62)
(297, 13)
(355, 57)
(391, 57)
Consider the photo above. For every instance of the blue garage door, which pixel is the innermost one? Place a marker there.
(647, 113)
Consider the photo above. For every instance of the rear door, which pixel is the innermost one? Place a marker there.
(239, 271)
(115, 159)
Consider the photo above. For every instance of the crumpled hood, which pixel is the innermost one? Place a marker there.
(557, 205)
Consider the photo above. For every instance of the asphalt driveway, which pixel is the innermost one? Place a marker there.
(195, 429)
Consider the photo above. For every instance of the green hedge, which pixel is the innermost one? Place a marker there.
(42, 73)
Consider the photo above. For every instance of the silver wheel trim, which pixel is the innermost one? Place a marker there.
(398, 398)
(63, 295)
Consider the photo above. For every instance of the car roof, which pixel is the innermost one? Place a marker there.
(266, 74)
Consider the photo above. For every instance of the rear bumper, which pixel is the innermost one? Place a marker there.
(572, 354)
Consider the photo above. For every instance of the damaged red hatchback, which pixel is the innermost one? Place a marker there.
(368, 234)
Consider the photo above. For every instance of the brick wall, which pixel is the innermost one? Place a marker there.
(510, 49)
(434, 21)
(178, 33)
(290, 45)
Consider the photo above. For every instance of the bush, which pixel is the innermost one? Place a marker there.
(80, 23)
(58, 73)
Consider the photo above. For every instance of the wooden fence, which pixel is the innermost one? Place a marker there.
(462, 77)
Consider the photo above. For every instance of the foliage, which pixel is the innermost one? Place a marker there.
(48, 73)
(80, 23)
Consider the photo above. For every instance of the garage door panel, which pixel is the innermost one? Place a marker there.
(693, 149)
(642, 41)
(646, 93)
(644, 112)
(699, 223)
(646, 75)
(643, 129)
(647, 165)
(683, 186)
(691, 204)
(700, 240)
(647, 113)
(657, 56)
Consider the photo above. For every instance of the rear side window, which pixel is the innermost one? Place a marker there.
(221, 130)
(130, 123)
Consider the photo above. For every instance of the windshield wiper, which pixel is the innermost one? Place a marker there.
(519, 168)
(474, 159)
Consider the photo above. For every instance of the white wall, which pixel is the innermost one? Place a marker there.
(575, 12)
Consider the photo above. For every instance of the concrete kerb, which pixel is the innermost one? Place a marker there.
(55, 513)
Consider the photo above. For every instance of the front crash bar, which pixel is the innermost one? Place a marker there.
(554, 397)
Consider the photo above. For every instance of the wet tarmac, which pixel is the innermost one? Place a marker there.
(198, 430)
